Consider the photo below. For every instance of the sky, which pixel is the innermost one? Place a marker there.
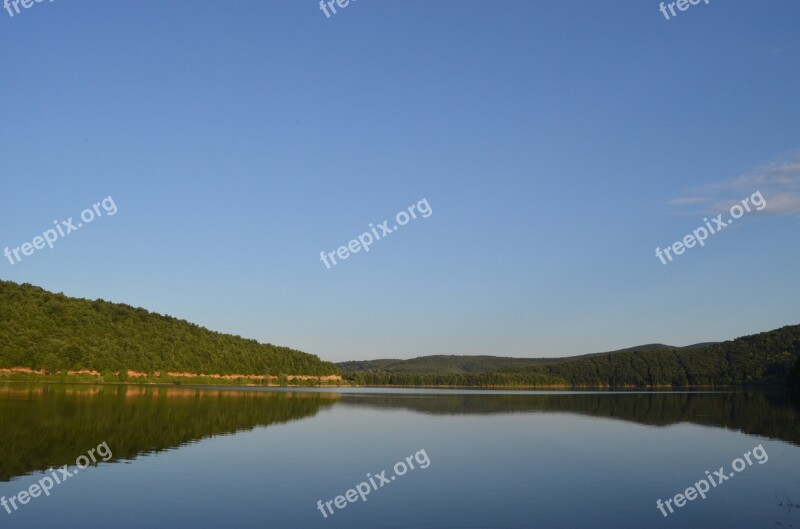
(558, 144)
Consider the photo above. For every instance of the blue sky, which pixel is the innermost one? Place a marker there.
(557, 143)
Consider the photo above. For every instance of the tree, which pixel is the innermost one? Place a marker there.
(51, 363)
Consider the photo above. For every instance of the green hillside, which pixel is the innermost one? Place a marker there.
(442, 364)
(767, 358)
(465, 364)
(42, 330)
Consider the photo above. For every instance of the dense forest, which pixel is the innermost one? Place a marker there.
(42, 330)
(767, 358)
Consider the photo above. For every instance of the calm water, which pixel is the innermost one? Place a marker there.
(210, 458)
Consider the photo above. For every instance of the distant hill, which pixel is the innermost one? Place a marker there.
(442, 364)
(464, 364)
(765, 358)
(42, 330)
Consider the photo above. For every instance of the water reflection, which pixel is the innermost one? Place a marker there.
(773, 414)
(44, 426)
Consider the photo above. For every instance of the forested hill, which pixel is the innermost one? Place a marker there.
(765, 358)
(465, 364)
(42, 330)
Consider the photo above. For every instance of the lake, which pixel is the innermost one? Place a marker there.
(177, 456)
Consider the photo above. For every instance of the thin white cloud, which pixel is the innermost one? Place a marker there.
(778, 182)
(783, 203)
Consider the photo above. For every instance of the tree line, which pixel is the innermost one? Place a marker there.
(769, 358)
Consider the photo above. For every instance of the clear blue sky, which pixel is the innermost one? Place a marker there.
(558, 144)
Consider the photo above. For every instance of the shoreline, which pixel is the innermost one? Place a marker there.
(87, 376)
(312, 382)
(179, 378)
